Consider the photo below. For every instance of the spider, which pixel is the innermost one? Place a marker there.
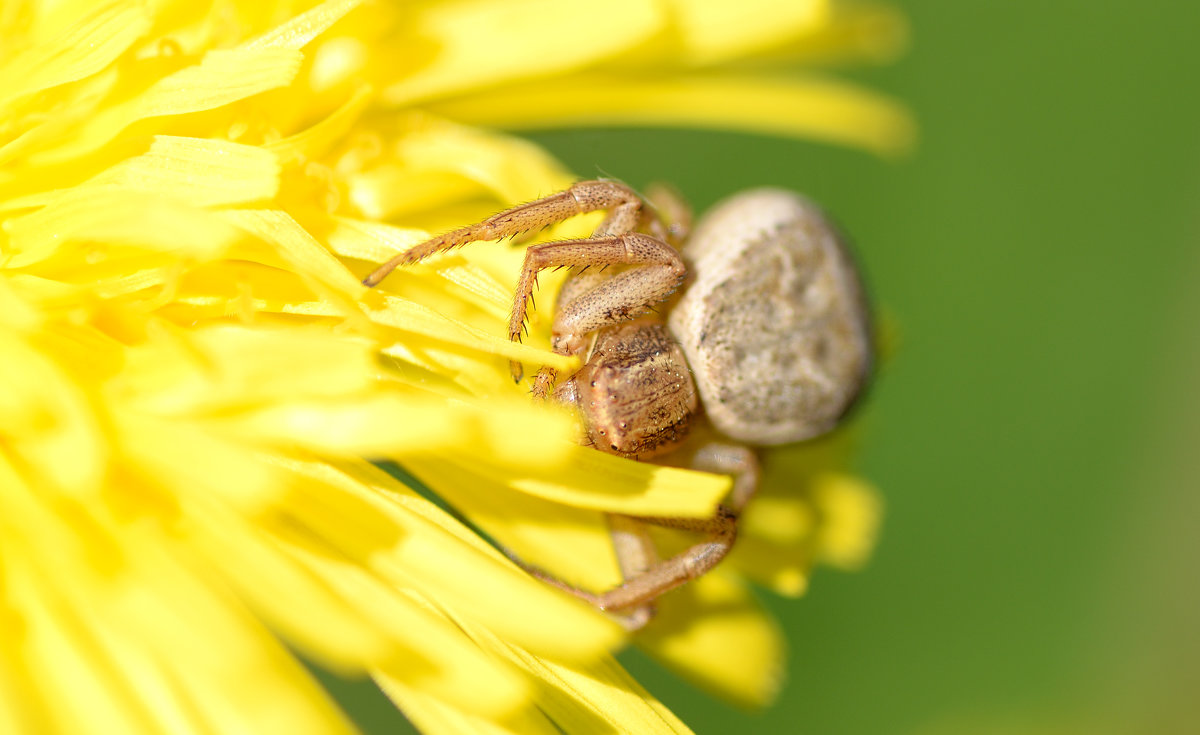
(771, 335)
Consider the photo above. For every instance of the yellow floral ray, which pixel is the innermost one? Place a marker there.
(98, 36)
(222, 76)
(408, 316)
(432, 715)
(164, 451)
(317, 139)
(785, 570)
(373, 242)
(712, 33)
(510, 169)
(299, 30)
(853, 32)
(812, 108)
(451, 46)
(851, 510)
(287, 557)
(455, 569)
(603, 482)
(47, 417)
(702, 623)
(835, 521)
(120, 219)
(601, 697)
(594, 697)
(111, 659)
(219, 367)
(655, 490)
(445, 662)
(569, 542)
(195, 171)
(300, 250)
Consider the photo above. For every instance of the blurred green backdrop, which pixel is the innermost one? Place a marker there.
(1034, 435)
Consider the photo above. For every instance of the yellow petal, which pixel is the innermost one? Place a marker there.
(570, 543)
(432, 715)
(271, 581)
(429, 162)
(164, 453)
(350, 617)
(852, 32)
(715, 633)
(97, 35)
(455, 569)
(48, 420)
(299, 30)
(451, 46)
(408, 316)
(811, 108)
(370, 426)
(197, 172)
(714, 32)
(298, 249)
(597, 696)
(850, 511)
(317, 139)
(434, 654)
(605, 482)
(221, 367)
(222, 76)
(596, 481)
(64, 237)
(785, 570)
(122, 636)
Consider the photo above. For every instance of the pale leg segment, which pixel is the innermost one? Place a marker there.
(580, 198)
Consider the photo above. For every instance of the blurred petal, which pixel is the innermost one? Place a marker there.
(98, 34)
(698, 628)
(715, 32)
(811, 108)
(454, 43)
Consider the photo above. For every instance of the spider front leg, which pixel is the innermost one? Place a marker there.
(632, 602)
(580, 198)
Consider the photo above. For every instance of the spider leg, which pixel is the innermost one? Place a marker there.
(582, 197)
(731, 459)
(632, 601)
(672, 221)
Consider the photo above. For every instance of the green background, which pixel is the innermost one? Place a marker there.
(1034, 433)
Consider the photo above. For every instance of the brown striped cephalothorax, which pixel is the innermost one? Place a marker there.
(770, 334)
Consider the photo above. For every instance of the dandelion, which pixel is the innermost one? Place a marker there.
(193, 373)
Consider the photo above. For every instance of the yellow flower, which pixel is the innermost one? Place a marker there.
(192, 372)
